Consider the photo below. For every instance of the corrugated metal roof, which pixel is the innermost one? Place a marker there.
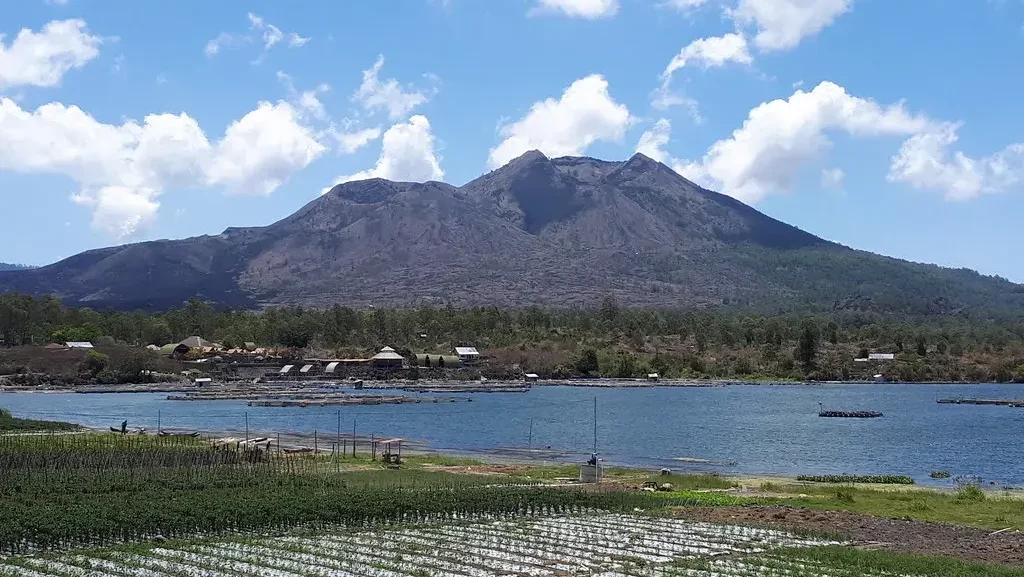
(384, 355)
(286, 368)
(196, 342)
(466, 351)
(78, 345)
(305, 368)
(330, 367)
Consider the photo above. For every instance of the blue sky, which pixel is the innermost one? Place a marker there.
(894, 127)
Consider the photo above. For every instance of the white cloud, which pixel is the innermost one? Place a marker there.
(711, 52)
(407, 154)
(349, 142)
(225, 40)
(259, 30)
(766, 154)
(271, 34)
(925, 161)
(122, 169)
(782, 24)
(832, 178)
(312, 108)
(652, 141)
(776, 24)
(685, 5)
(588, 9)
(262, 149)
(585, 114)
(43, 58)
(388, 95)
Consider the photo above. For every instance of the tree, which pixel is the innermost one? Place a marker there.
(609, 311)
(807, 346)
(922, 346)
(832, 330)
(587, 363)
(95, 362)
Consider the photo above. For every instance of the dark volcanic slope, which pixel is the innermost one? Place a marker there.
(559, 232)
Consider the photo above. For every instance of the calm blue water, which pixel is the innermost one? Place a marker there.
(750, 430)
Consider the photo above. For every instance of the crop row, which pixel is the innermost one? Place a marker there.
(63, 520)
(538, 547)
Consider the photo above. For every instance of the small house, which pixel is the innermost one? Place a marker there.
(467, 354)
(653, 377)
(387, 357)
(881, 356)
(531, 377)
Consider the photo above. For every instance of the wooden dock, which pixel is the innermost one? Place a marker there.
(999, 402)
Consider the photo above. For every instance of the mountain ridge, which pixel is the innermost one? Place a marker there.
(549, 231)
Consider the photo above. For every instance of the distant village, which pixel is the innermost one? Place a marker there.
(208, 360)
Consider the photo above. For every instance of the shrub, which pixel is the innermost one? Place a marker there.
(95, 362)
(844, 496)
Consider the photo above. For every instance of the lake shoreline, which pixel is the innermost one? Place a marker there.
(454, 386)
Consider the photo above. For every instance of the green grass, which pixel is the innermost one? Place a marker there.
(860, 561)
(10, 424)
(990, 511)
(694, 482)
(839, 561)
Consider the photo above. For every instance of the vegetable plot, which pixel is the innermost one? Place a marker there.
(538, 547)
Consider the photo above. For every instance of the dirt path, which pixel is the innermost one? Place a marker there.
(891, 534)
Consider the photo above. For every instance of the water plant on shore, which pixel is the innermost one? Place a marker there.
(874, 479)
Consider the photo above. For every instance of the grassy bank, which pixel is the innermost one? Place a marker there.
(10, 424)
(969, 506)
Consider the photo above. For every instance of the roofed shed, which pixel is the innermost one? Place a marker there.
(387, 357)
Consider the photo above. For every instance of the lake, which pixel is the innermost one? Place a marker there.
(744, 430)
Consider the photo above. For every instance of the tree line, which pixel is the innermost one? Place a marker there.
(684, 341)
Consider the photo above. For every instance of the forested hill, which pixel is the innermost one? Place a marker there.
(561, 232)
(8, 266)
(609, 340)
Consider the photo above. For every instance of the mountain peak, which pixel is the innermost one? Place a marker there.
(556, 231)
(529, 156)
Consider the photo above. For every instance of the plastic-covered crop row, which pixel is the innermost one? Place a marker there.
(538, 547)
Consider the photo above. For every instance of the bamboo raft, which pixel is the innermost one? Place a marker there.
(347, 401)
(999, 402)
(850, 414)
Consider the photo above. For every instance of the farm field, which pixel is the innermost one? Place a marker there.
(109, 505)
(594, 545)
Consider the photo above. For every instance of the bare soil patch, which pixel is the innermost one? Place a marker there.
(902, 535)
